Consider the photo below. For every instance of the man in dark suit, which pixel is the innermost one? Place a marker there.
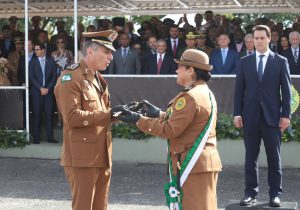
(292, 54)
(21, 65)
(224, 60)
(161, 62)
(43, 38)
(126, 58)
(174, 44)
(237, 42)
(21, 75)
(42, 78)
(150, 50)
(249, 43)
(7, 43)
(262, 108)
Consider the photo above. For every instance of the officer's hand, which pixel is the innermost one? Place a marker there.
(117, 110)
(150, 110)
(129, 116)
(133, 106)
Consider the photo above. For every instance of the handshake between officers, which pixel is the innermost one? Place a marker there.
(189, 125)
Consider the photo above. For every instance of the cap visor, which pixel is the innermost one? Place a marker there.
(111, 47)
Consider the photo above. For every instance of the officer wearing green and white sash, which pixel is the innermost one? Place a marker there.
(189, 125)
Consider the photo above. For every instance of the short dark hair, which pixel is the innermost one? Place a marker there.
(208, 12)
(201, 74)
(41, 45)
(174, 26)
(222, 33)
(43, 32)
(262, 28)
(5, 27)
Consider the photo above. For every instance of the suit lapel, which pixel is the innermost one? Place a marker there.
(253, 63)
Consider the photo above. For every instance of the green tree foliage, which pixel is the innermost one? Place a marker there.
(286, 18)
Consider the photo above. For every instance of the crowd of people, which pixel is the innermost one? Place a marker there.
(150, 51)
(153, 48)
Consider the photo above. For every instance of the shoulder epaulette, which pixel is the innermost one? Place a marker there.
(73, 66)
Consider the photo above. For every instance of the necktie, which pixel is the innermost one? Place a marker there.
(296, 56)
(159, 63)
(250, 52)
(223, 56)
(124, 53)
(260, 67)
(42, 62)
(174, 48)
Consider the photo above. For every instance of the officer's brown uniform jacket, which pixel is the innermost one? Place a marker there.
(13, 62)
(86, 115)
(184, 126)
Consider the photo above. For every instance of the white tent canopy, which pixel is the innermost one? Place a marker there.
(55, 8)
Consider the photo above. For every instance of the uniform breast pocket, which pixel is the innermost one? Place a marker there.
(83, 145)
(89, 102)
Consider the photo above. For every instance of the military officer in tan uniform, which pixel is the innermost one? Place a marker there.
(4, 80)
(183, 122)
(83, 100)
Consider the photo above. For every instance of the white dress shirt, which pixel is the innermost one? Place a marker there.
(158, 55)
(264, 59)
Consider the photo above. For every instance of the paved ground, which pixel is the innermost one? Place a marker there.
(31, 184)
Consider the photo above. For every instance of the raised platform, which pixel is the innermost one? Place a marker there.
(235, 205)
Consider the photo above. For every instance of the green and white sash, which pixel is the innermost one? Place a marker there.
(173, 192)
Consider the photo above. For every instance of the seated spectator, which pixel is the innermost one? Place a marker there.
(224, 60)
(209, 18)
(7, 43)
(62, 57)
(91, 28)
(21, 64)
(201, 44)
(190, 41)
(151, 45)
(274, 43)
(150, 50)
(43, 39)
(211, 38)
(145, 35)
(161, 62)
(129, 29)
(118, 24)
(36, 24)
(284, 44)
(249, 43)
(60, 27)
(174, 44)
(237, 43)
(13, 60)
(292, 53)
(126, 58)
(13, 24)
(137, 46)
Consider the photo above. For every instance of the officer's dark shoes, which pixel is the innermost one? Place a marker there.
(275, 202)
(247, 201)
(52, 141)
